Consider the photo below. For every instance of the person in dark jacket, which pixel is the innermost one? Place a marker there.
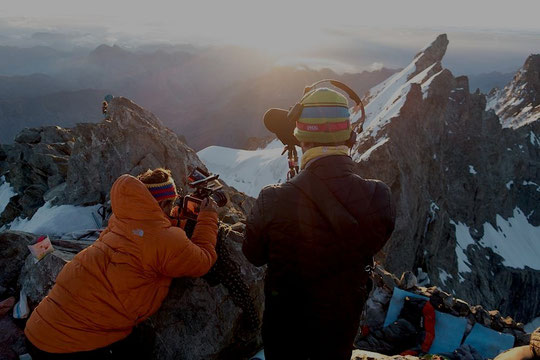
(317, 233)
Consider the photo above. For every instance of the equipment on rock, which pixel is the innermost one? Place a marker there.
(206, 185)
(287, 127)
(225, 271)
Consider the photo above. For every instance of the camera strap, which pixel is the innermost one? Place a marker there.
(292, 156)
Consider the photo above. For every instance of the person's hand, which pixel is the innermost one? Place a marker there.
(209, 204)
(175, 211)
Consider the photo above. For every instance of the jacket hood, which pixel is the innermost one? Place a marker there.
(130, 199)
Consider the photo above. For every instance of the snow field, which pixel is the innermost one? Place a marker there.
(514, 239)
(58, 220)
(248, 170)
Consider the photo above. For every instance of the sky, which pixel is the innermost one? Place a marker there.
(333, 33)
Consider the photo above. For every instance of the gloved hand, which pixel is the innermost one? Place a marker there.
(209, 204)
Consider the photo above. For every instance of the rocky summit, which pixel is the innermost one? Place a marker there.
(52, 168)
(464, 179)
(518, 103)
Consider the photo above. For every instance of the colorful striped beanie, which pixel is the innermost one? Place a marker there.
(325, 118)
(162, 191)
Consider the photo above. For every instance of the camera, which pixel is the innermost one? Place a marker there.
(205, 185)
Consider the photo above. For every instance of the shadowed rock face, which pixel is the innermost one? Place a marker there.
(78, 166)
(200, 319)
(519, 102)
(450, 162)
(132, 141)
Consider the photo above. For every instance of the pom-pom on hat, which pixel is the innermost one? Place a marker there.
(325, 118)
(163, 191)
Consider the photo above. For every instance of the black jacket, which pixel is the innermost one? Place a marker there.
(317, 233)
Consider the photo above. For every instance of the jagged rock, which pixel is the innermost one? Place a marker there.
(385, 278)
(28, 136)
(432, 54)
(6, 305)
(132, 141)
(461, 307)
(12, 343)
(32, 199)
(408, 280)
(12, 211)
(37, 278)
(55, 192)
(231, 218)
(481, 315)
(450, 164)
(517, 104)
(13, 251)
(55, 134)
(200, 321)
(375, 311)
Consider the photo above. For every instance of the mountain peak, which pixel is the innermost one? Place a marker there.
(518, 103)
(431, 54)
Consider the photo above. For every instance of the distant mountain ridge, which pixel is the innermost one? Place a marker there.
(208, 95)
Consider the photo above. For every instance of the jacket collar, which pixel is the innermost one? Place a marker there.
(332, 166)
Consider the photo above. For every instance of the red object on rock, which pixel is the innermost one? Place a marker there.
(409, 352)
(364, 330)
(429, 326)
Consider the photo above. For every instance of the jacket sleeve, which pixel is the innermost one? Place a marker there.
(382, 216)
(255, 246)
(178, 256)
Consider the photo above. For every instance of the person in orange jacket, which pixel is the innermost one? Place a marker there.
(123, 277)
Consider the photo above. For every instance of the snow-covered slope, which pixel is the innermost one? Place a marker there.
(385, 100)
(518, 103)
(59, 220)
(247, 170)
(6, 193)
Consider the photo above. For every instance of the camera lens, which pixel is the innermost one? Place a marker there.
(220, 198)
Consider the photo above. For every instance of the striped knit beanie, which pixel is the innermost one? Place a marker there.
(324, 119)
(162, 191)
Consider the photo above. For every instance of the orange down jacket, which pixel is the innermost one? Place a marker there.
(123, 277)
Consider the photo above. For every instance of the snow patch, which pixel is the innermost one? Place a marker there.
(427, 84)
(515, 240)
(534, 139)
(433, 207)
(463, 240)
(509, 184)
(471, 170)
(57, 220)
(386, 99)
(247, 170)
(532, 183)
(444, 276)
(6, 193)
(365, 156)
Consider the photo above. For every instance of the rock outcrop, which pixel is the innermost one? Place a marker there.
(518, 103)
(463, 185)
(201, 318)
(78, 166)
(13, 252)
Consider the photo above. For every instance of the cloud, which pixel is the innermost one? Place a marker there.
(375, 66)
